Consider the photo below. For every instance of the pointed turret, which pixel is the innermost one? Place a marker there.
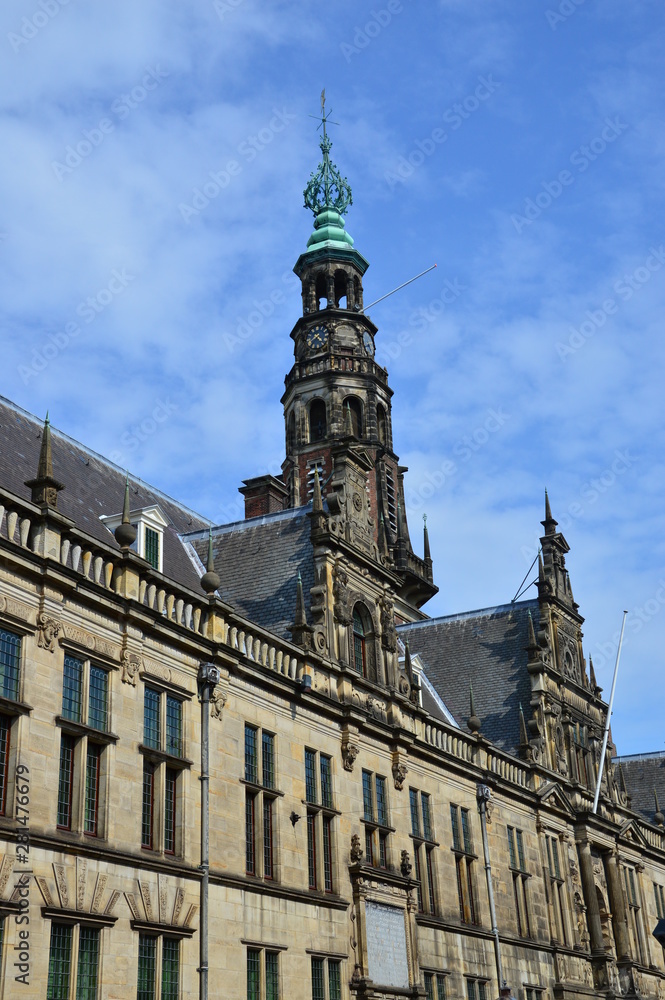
(210, 581)
(524, 736)
(384, 551)
(473, 721)
(532, 644)
(658, 816)
(408, 667)
(592, 679)
(317, 502)
(549, 524)
(301, 617)
(301, 632)
(125, 533)
(45, 488)
(427, 555)
(348, 422)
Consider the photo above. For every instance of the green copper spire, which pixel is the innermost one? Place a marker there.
(328, 195)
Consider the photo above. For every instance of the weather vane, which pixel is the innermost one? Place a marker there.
(324, 118)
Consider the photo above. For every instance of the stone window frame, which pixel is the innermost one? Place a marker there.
(11, 709)
(465, 858)
(376, 823)
(321, 813)
(520, 879)
(260, 801)
(424, 843)
(558, 906)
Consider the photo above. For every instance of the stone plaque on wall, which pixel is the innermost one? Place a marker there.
(386, 945)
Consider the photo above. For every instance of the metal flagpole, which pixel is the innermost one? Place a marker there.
(403, 285)
(609, 717)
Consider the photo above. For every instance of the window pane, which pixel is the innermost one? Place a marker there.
(454, 822)
(369, 847)
(97, 711)
(311, 849)
(310, 776)
(147, 804)
(170, 790)
(272, 975)
(86, 981)
(334, 980)
(152, 547)
(466, 833)
(92, 769)
(327, 854)
(471, 989)
(429, 986)
(440, 987)
(520, 850)
(430, 881)
(59, 963)
(326, 782)
(10, 660)
(416, 859)
(71, 689)
(381, 802)
(267, 837)
(511, 847)
(146, 978)
(383, 854)
(253, 974)
(317, 979)
(151, 728)
(368, 806)
(251, 759)
(415, 820)
(173, 726)
(427, 818)
(170, 969)
(482, 991)
(268, 759)
(65, 777)
(5, 730)
(250, 834)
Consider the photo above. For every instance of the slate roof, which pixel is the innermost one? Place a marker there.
(487, 649)
(93, 486)
(258, 562)
(643, 772)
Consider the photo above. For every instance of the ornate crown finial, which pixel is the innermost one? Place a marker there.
(327, 189)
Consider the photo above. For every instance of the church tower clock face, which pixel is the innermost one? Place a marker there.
(368, 343)
(317, 338)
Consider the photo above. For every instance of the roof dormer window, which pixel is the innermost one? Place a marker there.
(149, 523)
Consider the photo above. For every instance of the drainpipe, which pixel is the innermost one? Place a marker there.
(208, 677)
(483, 795)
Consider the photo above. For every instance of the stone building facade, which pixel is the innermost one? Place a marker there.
(398, 806)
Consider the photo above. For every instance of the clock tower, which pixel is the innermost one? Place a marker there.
(337, 401)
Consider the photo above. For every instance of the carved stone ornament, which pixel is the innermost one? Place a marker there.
(341, 600)
(49, 629)
(388, 632)
(349, 754)
(356, 849)
(405, 865)
(131, 664)
(217, 702)
(400, 771)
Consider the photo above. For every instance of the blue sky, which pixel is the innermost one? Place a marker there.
(517, 145)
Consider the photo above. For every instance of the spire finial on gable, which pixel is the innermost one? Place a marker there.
(210, 581)
(658, 816)
(125, 533)
(44, 488)
(317, 502)
(549, 524)
(473, 721)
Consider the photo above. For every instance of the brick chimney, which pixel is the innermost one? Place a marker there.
(263, 495)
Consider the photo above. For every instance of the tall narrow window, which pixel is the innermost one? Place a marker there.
(148, 804)
(59, 963)
(163, 752)
(464, 858)
(71, 689)
(5, 731)
(266, 986)
(88, 964)
(520, 878)
(356, 412)
(65, 782)
(659, 893)
(152, 547)
(359, 651)
(151, 719)
(147, 977)
(320, 816)
(170, 968)
(381, 424)
(423, 849)
(317, 420)
(326, 979)
(171, 777)
(260, 802)
(391, 499)
(98, 707)
(92, 770)
(435, 986)
(10, 664)
(634, 915)
(556, 891)
(375, 819)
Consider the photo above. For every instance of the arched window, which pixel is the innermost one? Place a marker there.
(359, 642)
(340, 289)
(356, 409)
(291, 433)
(321, 292)
(317, 420)
(381, 423)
